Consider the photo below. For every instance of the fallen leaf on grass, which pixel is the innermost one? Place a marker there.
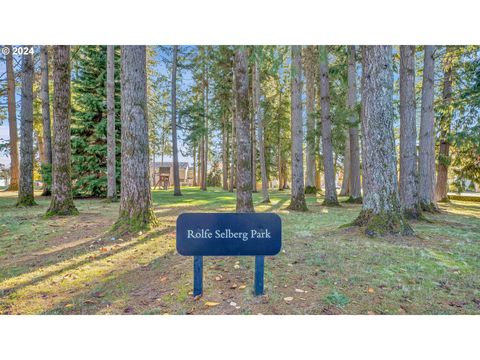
(218, 278)
(371, 290)
(163, 279)
(233, 286)
(103, 249)
(211, 303)
(288, 299)
(299, 290)
(69, 305)
(241, 287)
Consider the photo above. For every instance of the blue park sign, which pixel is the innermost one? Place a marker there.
(228, 234)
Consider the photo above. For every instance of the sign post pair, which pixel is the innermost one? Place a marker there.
(228, 234)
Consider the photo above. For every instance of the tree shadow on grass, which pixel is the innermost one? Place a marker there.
(132, 292)
(275, 206)
(89, 259)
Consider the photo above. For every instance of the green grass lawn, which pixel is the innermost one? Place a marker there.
(71, 265)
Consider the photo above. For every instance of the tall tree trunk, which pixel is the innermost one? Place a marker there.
(310, 65)
(205, 114)
(41, 147)
(135, 200)
(12, 123)
(328, 166)
(232, 142)
(279, 165)
(62, 199)
(46, 122)
(297, 201)
(355, 184)
(242, 122)
(381, 212)
(345, 189)
(408, 134)
(254, 145)
(260, 130)
(279, 153)
(441, 189)
(176, 174)
(153, 171)
(201, 172)
(318, 135)
(25, 189)
(194, 165)
(426, 160)
(224, 153)
(233, 156)
(111, 152)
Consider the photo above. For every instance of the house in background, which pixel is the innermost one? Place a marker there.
(162, 174)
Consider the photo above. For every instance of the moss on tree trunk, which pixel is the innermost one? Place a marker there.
(383, 223)
(135, 204)
(354, 200)
(62, 198)
(381, 212)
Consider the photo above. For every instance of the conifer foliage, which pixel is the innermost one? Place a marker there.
(89, 120)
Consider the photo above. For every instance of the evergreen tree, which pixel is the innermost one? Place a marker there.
(89, 121)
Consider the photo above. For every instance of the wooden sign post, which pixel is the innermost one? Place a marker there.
(228, 234)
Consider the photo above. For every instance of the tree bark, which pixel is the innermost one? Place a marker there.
(232, 142)
(205, 114)
(111, 151)
(135, 200)
(194, 165)
(224, 153)
(242, 122)
(25, 189)
(381, 212)
(345, 189)
(426, 160)
(201, 172)
(12, 123)
(281, 184)
(441, 189)
(41, 147)
(355, 184)
(328, 166)
(260, 130)
(318, 135)
(46, 122)
(297, 201)
(408, 134)
(253, 133)
(176, 174)
(311, 170)
(62, 199)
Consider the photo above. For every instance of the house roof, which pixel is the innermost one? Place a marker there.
(181, 165)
